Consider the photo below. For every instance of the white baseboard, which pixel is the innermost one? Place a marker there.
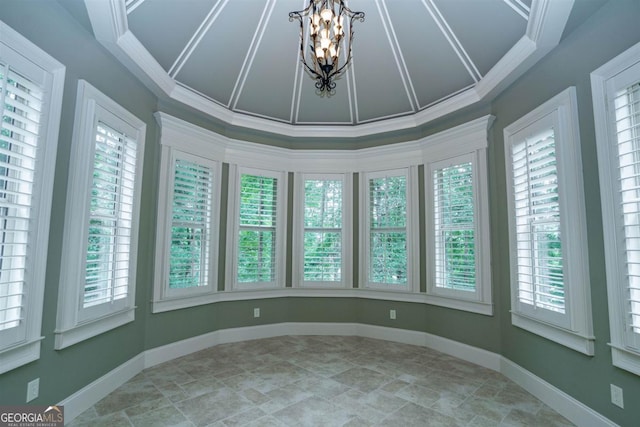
(561, 402)
(572, 409)
(91, 394)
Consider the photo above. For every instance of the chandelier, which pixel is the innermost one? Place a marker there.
(326, 34)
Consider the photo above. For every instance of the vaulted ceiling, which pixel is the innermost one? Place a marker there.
(413, 60)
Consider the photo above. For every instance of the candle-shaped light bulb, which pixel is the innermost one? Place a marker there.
(325, 43)
(326, 15)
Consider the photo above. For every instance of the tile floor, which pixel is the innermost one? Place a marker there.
(319, 381)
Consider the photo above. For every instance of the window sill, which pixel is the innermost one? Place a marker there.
(571, 339)
(472, 306)
(18, 355)
(625, 359)
(83, 331)
(177, 303)
(308, 292)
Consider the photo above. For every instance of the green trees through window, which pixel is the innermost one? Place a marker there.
(388, 235)
(537, 209)
(190, 225)
(257, 230)
(110, 217)
(455, 265)
(323, 230)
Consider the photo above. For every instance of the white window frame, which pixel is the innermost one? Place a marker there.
(23, 346)
(345, 230)
(165, 298)
(618, 73)
(74, 322)
(233, 228)
(478, 301)
(574, 328)
(411, 227)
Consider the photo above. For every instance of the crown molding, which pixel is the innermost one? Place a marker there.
(546, 23)
(457, 140)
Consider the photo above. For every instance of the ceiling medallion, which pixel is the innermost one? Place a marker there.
(326, 33)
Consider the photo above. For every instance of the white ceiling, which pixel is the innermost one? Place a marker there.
(413, 60)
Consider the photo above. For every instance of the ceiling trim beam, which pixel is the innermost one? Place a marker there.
(251, 53)
(519, 7)
(131, 5)
(453, 40)
(197, 37)
(397, 54)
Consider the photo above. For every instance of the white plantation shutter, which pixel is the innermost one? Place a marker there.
(454, 227)
(110, 217)
(549, 266)
(322, 230)
(21, 102)
(615, 87)
(537, 220)
(190, 225)
(31, 87)
(627, 128)
(257, 229)
(388, 229)
(98, 270)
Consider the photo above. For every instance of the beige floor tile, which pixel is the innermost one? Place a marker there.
(319, 381)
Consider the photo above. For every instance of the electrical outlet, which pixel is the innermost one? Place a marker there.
(33, 389)
(256, 312)
(617, 397)
(392, 314)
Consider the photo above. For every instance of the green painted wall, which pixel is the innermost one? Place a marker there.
(49, 25)
(611, 30)
(62, 373)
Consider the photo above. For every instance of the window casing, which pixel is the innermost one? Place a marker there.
(458, 252)
(99, 263)
(321, 241)
(616, 101)
(547, 227)
(31, 85)
(354, 168)
(257, 227)
(387, 231)
(187, 237)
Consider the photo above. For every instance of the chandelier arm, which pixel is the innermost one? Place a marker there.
(356, 16)
(353, 16)
(298, 15)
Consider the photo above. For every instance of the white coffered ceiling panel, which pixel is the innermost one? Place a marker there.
(486, 30)
(267, 83)
(324, 110)
(413, 60)
(435, 69)
(150, 16)
(215, 63)
(380, 86)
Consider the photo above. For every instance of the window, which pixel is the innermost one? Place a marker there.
(616, 100)
(547, 228)
(388, 242)
(458, 253)
(454, 231)
(99, 262)
(30, 101)
(186, 253)
(259, 229)
(324, 209)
